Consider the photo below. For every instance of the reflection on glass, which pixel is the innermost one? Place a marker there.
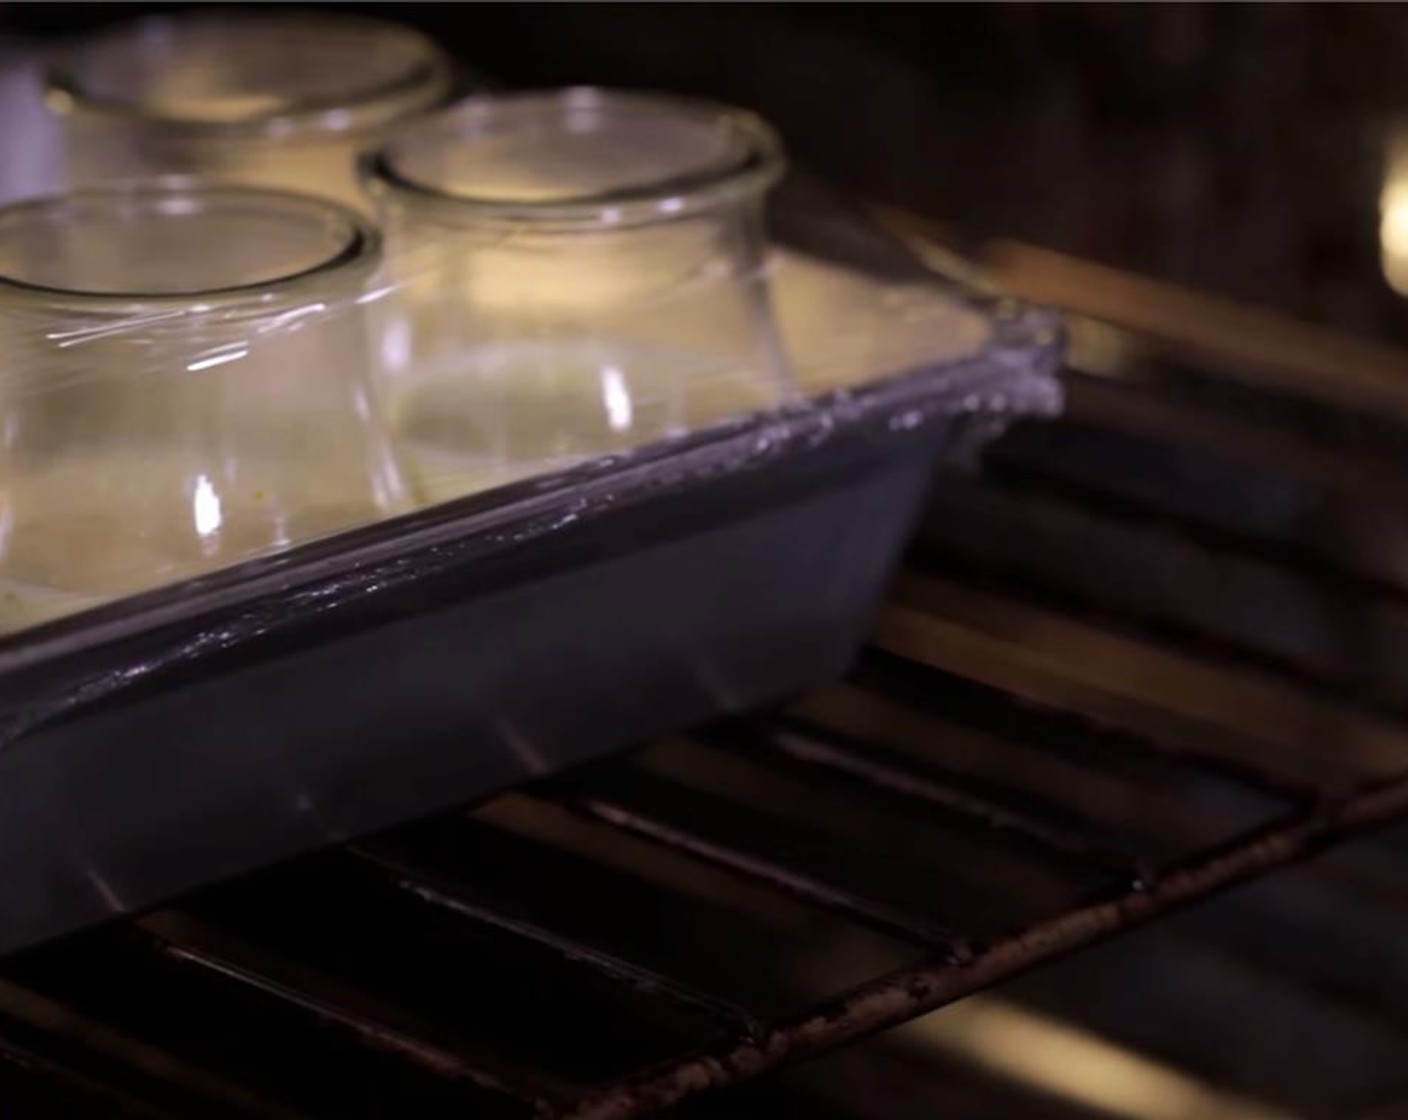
(263, 98)
(183, 385)
(577, 273)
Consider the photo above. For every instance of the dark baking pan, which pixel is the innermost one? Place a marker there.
(168, 740)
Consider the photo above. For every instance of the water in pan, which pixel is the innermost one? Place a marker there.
(506, 412)
(842, 329)
(114, 522)
(512, 410)
(516, 409)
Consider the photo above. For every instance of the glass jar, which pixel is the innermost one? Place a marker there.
(577, 272)
(183, 385)
(261, 98)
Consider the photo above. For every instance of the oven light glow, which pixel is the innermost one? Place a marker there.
(1393, 218)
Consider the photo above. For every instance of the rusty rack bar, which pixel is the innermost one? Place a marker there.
(905, 994)
(1156, 651)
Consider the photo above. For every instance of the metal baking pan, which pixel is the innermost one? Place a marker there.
(179, 737)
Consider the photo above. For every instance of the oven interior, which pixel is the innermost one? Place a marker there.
(1101, 822)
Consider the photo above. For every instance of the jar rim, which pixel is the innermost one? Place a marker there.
(759, 165)
(353, 256)
(423, 84)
